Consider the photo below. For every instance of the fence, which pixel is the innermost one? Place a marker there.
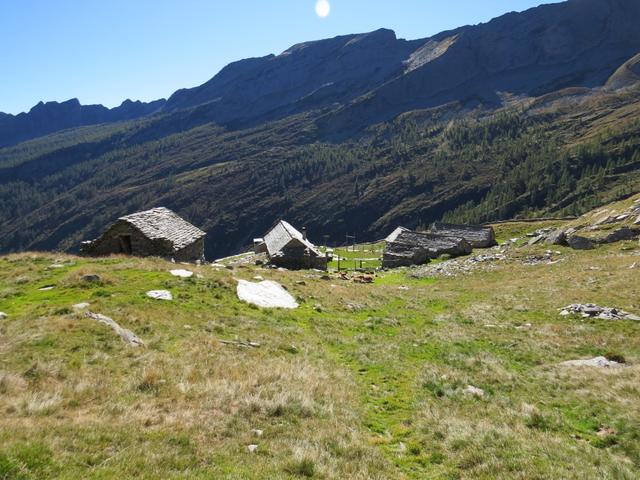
(365, 256)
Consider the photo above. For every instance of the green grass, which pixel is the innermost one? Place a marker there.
(362, 381)
(362, 256)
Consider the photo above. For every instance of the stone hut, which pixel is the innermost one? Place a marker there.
(158, 232)
(287, 247)
(416, 248)
(478, 236)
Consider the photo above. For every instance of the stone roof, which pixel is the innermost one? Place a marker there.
(477, 235)
(393, 235)
(282, 235)
(426, 240)
(415, 248)
(162, 223)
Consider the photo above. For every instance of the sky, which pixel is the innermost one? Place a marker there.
(105, 51)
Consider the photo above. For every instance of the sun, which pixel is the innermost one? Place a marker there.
(323, 8)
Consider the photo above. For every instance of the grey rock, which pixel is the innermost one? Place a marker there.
(557, 237)
(3, 316)
(535, 240)
(91, 278)
(600, 362)
(590, 310)
(127, 335)
(620, 234)
(181, 273)
(160, 294)
(578, 242)
(475, 391)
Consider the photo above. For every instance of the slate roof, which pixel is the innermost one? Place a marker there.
(162, 223)
(477, 235)
(426, 240)
(394, 235)
(281, 235)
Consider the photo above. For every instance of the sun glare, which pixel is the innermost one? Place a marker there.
(323, 8)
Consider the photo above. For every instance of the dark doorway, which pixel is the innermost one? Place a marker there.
(125, 244)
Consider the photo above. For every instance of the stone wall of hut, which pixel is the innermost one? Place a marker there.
(122, 234)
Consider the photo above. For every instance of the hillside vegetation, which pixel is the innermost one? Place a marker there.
(552, 156)
(362, 381)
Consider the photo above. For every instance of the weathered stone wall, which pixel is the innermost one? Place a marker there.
(109, 243)
(402, 255)
(296, 258)
(191, 253)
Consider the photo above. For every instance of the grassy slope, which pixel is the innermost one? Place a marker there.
(362, 381)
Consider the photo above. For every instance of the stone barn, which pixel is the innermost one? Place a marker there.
(477, 235)
(158, 232)
(415, 248)
(287, 247)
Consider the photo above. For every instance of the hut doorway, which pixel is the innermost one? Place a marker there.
(125, 244)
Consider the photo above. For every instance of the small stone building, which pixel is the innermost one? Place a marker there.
(415, 248)
(158, 232)
(477, 235)
(287, 247)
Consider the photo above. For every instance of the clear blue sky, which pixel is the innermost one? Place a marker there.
(104, 51)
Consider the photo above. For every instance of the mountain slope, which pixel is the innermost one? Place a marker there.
(492, 143)
(578, 43)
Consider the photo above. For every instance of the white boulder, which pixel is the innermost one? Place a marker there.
(265, 294)
(160, 294)
(181, 273)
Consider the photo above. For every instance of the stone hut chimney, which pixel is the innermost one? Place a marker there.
(304, 232)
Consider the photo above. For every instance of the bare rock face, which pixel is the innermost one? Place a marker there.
(578, 43)
(307, 75)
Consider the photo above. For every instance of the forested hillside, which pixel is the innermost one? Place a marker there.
(531, 114)
(549, 156)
